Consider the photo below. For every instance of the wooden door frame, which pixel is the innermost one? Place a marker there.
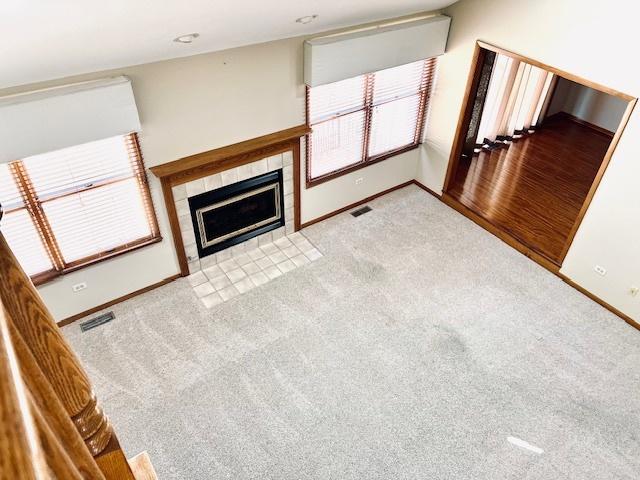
(465, 115)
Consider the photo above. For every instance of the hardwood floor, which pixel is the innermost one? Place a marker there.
(534, 189)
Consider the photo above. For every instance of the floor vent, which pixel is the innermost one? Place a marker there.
(361, 211)
(97, 321)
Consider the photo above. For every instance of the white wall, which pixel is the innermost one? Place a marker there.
(198, 103)
(570, 35)
(587, 104)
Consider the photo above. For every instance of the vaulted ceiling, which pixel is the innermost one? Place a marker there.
(41, 40)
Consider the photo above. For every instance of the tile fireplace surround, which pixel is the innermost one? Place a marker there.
(182, 193)
(225, 166)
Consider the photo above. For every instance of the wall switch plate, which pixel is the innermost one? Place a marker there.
(600, 270)
(79, 286)
(359, 180)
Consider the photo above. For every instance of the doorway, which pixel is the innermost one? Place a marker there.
(531, 147)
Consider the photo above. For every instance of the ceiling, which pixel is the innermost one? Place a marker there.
(44, 39)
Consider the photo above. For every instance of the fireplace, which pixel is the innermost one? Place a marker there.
(233, 214)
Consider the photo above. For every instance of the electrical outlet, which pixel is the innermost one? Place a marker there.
(600, 270)
(359, 180)
(79, 286)
(634, 291)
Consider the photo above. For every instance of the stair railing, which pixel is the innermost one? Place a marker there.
(51, 423)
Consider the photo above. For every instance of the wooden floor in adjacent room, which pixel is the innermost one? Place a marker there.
(534, 189)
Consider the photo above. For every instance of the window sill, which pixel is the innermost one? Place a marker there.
(46, 277)
(352, 168)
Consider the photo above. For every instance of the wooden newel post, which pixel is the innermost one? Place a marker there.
(59, 364)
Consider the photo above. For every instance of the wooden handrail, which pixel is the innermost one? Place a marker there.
(52, 424)
(21, 456)
(47, 402)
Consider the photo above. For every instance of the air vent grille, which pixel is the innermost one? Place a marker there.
(97, 321)
(361, 211)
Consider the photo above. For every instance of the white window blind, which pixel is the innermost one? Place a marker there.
(76, 205)
(337, 112)
(19, 228)
(365, 118)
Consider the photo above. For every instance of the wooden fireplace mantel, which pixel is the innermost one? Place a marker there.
(220, 159)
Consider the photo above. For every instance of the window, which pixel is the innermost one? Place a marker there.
(75, 206)
(364, 119)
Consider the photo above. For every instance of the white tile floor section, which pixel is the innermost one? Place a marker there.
(245, 271)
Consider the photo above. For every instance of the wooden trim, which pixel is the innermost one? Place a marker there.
(428, 74)
(228, 163)
(143, 183)
(174, 223)
(427, 189)
(102, 256)
(368, 199)
(465, 115)
(34, 207)
(296, 187)
(557, 71)
(424, 94)
(44, 277)
(225, 158)
(579, 121)
(369, 85)
(222, 156)
(501, 234)
(108, 304)
(532, 254)
(355, 204)
(508, 239)
(602, 303)
(596, 181)
(352, 168)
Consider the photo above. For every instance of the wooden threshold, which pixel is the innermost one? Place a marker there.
(110, 303)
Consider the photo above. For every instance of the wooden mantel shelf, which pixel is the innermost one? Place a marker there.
(226, 157)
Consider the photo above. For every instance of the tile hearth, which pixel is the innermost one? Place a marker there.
(249, 269)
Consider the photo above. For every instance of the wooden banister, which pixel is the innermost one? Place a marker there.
(57, 458)
(47, 402)
(21, 456)
(71, 435)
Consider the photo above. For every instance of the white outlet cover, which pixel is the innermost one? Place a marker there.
(600, 270)
(79, 286)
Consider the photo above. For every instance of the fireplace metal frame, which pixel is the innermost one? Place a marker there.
(207, 201)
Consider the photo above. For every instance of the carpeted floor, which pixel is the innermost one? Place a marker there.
(412, 350)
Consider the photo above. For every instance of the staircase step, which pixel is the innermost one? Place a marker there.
(142, 468)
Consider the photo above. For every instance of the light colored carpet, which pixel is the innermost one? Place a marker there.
(411, 350)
